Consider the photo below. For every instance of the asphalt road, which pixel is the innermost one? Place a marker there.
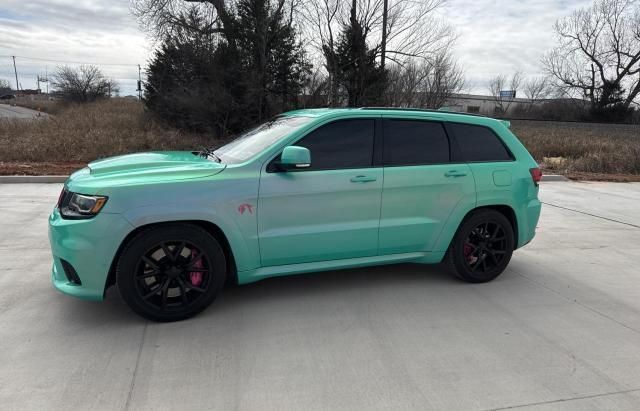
(560, 329)
(8, 111)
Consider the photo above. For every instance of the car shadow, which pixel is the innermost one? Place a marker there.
(339, 284)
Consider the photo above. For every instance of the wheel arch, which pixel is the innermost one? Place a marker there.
(504, 209)
(208, 226)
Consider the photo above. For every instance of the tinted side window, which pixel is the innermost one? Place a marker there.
(479, 144)
(342, 144)
(408, 142)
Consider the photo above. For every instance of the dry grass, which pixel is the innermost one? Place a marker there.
(40, 103)
(571, 148)
(82, 133)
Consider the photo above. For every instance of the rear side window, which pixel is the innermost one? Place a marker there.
(408, 142)
(478, 143)
(341, 144)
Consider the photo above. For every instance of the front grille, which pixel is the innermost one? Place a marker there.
(70, 272)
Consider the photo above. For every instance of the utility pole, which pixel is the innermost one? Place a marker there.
(16, 71)
(41, 79)
(383, 51)
(139, 84)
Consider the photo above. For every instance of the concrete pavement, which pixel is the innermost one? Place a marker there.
(16, 112)
(560, 329)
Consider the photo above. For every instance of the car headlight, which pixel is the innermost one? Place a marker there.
(74, 205)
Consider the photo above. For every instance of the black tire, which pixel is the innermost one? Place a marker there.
(171, 272)
(482, 247)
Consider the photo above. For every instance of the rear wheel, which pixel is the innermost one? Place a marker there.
(482, 247)
(171, 272)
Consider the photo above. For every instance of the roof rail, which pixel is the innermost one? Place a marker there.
(425, 110)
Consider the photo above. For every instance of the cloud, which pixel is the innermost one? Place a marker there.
(501, 37)
(68, 30)
(495, 37)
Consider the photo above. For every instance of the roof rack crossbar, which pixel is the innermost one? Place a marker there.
(425, 110)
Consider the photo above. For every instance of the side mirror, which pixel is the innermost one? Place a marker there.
(294, 157)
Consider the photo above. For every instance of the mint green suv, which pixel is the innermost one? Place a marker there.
(309, 190)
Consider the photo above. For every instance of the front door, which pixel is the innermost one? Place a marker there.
(328, 211)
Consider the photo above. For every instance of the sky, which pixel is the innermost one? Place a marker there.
(494, 37)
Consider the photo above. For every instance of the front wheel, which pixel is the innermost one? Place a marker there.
(482, 247)
(171, 272)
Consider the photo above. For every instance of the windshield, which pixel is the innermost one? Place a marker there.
(255, 141)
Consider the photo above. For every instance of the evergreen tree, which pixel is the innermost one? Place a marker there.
(358, 72)
(200, 80)
(274, 58)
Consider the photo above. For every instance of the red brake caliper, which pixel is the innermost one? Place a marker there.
(196, 276)
(467, 250)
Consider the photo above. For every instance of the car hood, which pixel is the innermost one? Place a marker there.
(144, 168)
(156, 163)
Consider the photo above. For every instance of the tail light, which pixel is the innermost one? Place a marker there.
(536, 175)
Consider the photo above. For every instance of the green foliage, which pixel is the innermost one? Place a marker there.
(610, 108)
(188, 82)
(202, 80)
(274, 59)
(356, 68)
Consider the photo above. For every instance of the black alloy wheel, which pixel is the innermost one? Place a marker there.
(171, 272)
(482, 247)
(172, 275)
(485, 247)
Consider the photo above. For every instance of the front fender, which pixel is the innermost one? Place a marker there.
(238, 224)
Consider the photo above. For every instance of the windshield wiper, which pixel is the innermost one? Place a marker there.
(209, 153)
(215, 157)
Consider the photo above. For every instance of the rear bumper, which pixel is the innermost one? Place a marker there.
(527, 226)
(88, 246)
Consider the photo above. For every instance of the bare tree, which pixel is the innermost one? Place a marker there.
(500, 83)
(427, 83)
(321, 27)
(401, 32)
(83, 84)
(314, 91)
(598, 55)
(162, 17)
(536, 88)
(413, 28)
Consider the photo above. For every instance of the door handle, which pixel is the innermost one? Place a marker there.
(454, 173)
(362, 179)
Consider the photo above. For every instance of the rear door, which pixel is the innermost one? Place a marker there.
(422, 186)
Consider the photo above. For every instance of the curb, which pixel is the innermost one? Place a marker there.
(554, 177)
(33, 179)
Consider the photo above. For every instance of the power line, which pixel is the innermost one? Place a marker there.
(69, 61)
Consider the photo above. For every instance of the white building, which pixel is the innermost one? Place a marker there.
(486, 105)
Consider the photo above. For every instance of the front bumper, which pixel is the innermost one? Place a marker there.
(88, 246)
